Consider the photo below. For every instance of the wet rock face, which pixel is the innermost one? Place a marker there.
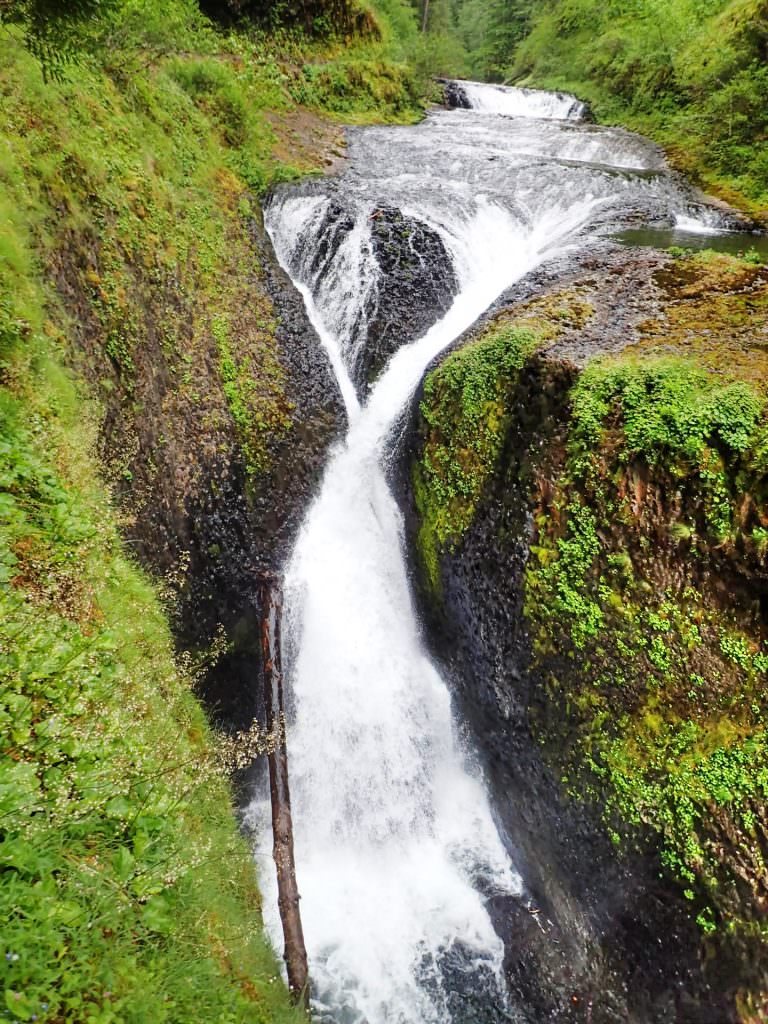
(415, 289)
(238, 531)
(455, 96)
(336, 224)
(399, 265)
(597, 938)
(196, 512)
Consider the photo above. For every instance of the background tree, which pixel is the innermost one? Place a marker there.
(490, 30)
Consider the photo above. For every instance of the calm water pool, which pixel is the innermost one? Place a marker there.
(735, 242)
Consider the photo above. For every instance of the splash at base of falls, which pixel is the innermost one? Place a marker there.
(397, 850)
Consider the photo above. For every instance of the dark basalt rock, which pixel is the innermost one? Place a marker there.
(336, 225)
(416, 288)
(413, 289)
(455, 96)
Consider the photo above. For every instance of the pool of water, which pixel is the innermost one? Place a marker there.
(734, 242)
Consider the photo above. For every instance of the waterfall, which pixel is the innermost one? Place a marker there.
(513, 102)
(396, 845)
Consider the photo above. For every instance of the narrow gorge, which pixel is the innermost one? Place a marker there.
(420, 881)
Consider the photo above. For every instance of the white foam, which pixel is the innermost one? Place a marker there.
(514, 102)
(705, 224)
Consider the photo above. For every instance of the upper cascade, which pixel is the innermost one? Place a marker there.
(514, 102)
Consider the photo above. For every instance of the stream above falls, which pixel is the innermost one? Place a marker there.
(397, 847)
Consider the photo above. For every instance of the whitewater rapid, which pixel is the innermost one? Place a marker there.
(397, 850)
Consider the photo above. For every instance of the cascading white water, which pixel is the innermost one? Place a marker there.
(513, 102)
(705, 223)
(396, 846)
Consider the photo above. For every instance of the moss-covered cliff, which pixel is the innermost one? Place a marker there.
(163, 403)
(609, 523)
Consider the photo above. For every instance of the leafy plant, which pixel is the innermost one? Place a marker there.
(56, 31)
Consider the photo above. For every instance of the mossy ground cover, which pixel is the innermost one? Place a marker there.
(715, 310)
(664, 480)
(466, 419)
(642, 592)
(466, 423)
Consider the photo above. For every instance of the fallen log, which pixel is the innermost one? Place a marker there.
(295, 954)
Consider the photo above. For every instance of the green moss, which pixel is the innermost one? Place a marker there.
(668, 728)
(255, 399)
(466, 416)
(715, 309)
(565, 573)
(466, 422)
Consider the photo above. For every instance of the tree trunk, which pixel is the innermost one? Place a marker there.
(295, 954)
(425, 18)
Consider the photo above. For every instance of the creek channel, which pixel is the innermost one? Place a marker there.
(399, 855)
